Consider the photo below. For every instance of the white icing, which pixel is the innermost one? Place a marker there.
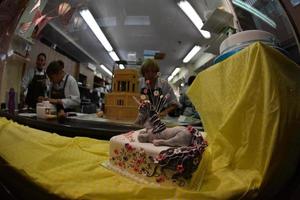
(138, 161)
(118, 142)
(244, 38)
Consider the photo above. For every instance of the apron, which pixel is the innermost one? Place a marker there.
(60, 94)
(37, 87)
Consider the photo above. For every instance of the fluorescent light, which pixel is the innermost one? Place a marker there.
(90, 20)
(121, 66)
(255, 12)
(175, 72)
(114, 56)
(191, 54)
(106, 70)
(193, 16)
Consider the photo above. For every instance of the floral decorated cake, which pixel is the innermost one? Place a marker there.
(157, 154)
(147, 163)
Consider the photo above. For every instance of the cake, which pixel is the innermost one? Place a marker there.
(238, 41)
(157, 154)
(45, 110)
(146, 163)
(243, 39)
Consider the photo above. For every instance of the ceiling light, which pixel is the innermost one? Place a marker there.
(106, 70)
(255, 12)
(176, 71)
(137, 21)
(121, 66)
(193, 16)
(114, 56)
(191, 54)
(90, 20)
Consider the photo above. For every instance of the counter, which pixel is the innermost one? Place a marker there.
(86, 125)
(74, 127)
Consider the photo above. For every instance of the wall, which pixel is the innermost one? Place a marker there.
(12, 74)
(71, 67)
(14, 67)
(10, 12)
(89, 75)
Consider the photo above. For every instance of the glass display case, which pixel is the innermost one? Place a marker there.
(268, 16)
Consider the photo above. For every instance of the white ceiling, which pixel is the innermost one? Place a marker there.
(131, 26)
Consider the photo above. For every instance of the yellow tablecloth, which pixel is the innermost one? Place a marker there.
(250, 110)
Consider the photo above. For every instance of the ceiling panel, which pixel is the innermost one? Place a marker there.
(131, 26)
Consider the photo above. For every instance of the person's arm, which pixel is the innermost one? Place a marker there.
(28, 75)
(167, 110)
(72, 94)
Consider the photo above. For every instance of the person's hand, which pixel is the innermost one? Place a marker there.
(41, 98)
(61, 116)
(55, 101)
(162, 114)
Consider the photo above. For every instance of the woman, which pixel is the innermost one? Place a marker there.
(153, 87)
(64, 92)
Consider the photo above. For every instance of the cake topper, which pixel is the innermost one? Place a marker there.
(186, 143)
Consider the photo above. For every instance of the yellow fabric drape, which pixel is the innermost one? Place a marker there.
(250, 107)
(250, 110)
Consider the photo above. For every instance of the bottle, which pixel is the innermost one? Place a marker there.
(11, 101)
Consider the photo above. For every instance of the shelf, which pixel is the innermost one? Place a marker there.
(17, 57)
(18, 37)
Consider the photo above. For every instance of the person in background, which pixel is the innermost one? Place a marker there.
(64, 92)
(34, 83)
(153, 86)
(188, 109)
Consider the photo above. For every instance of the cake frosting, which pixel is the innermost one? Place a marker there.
(243, 39)
(147, 163)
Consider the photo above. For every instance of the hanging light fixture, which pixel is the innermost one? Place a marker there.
(190, 12)
(63, 8)
(191, 54)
